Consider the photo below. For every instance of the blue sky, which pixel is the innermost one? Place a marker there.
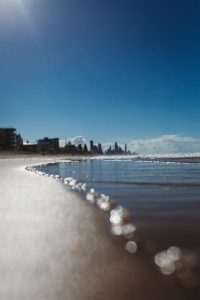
(106, 70)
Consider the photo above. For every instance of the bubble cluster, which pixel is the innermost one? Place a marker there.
(104, 202)
(120, 222)
(181, 263)
(167, 260)
(74, 184)
(119, 215)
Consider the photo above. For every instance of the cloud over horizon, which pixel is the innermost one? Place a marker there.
(164, 144)
(77, 140)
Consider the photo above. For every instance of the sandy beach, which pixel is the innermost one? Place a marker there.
(55, 246)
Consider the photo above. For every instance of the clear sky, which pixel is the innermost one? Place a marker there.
(104, 69)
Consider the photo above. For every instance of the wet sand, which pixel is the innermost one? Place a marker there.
(55, 246)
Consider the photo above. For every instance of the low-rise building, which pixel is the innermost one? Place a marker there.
(30, 147)
(69, 148)
(48, 145)
(10, 139)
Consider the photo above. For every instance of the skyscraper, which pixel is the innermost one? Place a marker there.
(125, 148)
(116, 148)
(100, 148)
(91, 146)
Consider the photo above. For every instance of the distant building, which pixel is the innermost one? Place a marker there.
(100, 148)
(125, 149)
(118, 150)
(10, 140)
(109, 150)
(95, 148)
(69, 148)
(116, 147)
(85, 149)
(30, 147)
(80, 148)
(48, 145)
(91, 146)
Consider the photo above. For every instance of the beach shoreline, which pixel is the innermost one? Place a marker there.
(56, 246)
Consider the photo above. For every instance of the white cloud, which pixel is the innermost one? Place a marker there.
(165, 144)
(62, 143)
(77, 140)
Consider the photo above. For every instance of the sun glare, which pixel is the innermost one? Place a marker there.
(10, 2)
(10, 5)
(12, 8)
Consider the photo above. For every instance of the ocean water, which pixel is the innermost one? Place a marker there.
(163, 197)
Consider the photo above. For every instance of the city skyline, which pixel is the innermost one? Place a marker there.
(11, 140)
(104, 70)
